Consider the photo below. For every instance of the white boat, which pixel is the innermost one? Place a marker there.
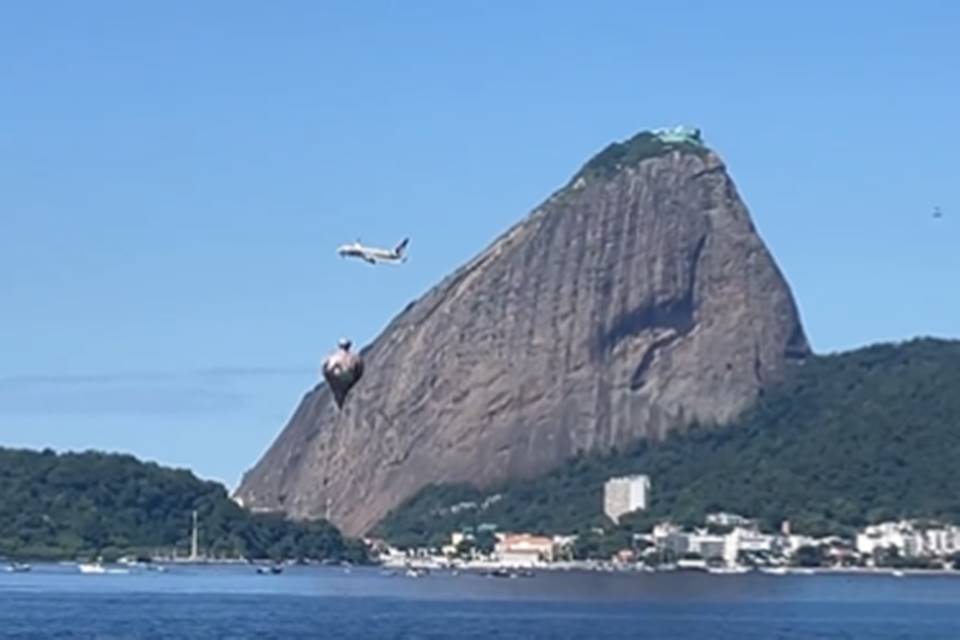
(776, 571)
(91, 567)
(139, 565)
(736, 569)
(270, 570)
(98, 568)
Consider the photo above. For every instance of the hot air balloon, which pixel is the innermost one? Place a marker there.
(342, 369)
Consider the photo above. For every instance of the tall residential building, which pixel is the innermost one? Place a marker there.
(625, 494)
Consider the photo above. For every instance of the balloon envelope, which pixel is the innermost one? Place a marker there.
(342, 369)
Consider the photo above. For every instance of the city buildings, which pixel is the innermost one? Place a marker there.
(909, 538)
(728, 544)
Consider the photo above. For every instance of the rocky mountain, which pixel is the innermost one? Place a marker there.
(636, 300)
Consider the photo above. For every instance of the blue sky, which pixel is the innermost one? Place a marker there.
(175, 178)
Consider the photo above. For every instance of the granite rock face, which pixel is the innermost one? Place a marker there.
(633, 301)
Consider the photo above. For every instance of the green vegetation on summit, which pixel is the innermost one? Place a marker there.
(848, 439)
(643, 145)
(88, 504)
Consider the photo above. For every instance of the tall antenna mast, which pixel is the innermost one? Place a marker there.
(193, 541)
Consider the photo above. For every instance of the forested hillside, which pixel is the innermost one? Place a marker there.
(87, 504)
(848, 439)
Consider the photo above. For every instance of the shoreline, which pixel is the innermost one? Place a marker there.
(423, 564)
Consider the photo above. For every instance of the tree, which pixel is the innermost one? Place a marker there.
(465, 548)
(808, 556)
(485, 542)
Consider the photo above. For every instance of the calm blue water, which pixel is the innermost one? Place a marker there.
(233, 602)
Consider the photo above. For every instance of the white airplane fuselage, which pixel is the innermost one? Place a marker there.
(373, 255)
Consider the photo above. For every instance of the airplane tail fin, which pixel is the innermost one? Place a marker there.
(402, 247)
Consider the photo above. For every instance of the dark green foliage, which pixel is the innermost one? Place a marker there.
(619, 155)
(808, 556)
(486, 542)
(891, 558)
(88, 504)
(594, 545)
(846, 440)
(432, 522)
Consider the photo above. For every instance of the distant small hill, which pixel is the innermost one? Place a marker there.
(845, 440)
(86, 504)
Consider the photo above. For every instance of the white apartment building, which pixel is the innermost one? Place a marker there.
(909, 539)
(753, 541)
(712, 547)
(625, 494)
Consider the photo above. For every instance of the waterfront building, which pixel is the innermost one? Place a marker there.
(909, 539)
(752, 541)
(524, 549)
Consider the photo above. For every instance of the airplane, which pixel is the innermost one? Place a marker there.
(374, 255)
(937, 213)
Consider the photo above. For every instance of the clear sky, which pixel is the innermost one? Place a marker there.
(175, 177)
